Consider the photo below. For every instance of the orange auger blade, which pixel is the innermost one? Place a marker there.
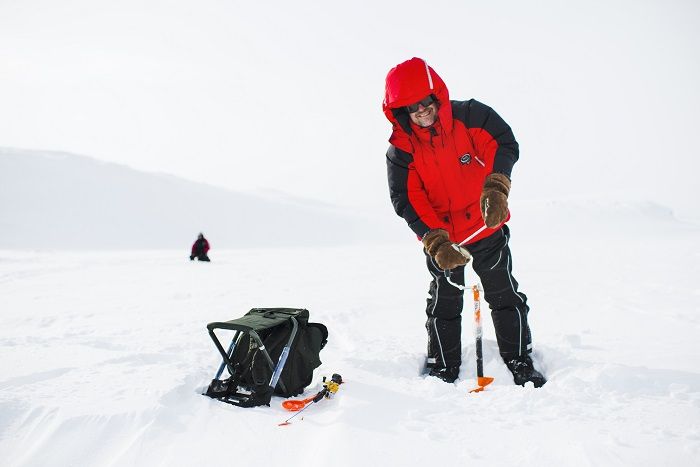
(482, 381)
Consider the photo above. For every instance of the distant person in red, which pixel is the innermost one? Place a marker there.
(200, 248)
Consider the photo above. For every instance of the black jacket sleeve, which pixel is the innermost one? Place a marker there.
(474, 114)
(398, 164)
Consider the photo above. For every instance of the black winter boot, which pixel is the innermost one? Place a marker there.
(524, 371)
(448, 375)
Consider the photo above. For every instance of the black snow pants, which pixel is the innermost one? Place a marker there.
(492, 262)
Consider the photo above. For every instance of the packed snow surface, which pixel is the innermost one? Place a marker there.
(104, 355)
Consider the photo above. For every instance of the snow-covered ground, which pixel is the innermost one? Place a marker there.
(103, 355)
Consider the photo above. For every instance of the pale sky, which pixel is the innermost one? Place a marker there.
(277, 95)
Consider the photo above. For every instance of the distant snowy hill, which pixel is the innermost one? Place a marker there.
(56, 200)
(60, 200)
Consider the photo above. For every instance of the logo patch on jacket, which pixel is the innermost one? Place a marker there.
(465, 159)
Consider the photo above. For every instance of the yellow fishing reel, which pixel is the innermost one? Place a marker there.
(333, 385)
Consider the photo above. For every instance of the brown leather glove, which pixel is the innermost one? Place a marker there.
(494, 199)
(433, 239)
(450, 255)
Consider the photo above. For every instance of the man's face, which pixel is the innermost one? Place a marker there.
(425, 113)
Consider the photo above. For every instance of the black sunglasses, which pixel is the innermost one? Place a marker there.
(425, 102)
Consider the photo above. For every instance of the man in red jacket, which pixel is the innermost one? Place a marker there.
(449, 167)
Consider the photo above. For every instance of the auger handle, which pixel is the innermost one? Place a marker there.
(481, 229)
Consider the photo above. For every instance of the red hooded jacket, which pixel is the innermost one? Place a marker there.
(436, 174)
